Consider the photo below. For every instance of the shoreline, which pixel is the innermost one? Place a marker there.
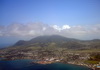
(66, 63)
(50, 62)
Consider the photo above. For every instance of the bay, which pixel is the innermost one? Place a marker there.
(28, 65)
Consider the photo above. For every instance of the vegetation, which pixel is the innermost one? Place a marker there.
(59, 41)
(91, 62)
(66, 50)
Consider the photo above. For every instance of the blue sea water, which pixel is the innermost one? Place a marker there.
(27, 65)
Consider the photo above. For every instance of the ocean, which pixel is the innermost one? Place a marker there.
(28, 65)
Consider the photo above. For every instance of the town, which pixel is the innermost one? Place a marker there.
(48, 56)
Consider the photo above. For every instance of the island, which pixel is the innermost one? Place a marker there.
(52, 49)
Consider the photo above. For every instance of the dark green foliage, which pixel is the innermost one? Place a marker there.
(95, 56)
(59, 41)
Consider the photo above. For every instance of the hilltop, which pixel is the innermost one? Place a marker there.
(59, 41)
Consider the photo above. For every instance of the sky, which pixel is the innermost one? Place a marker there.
(26, 19)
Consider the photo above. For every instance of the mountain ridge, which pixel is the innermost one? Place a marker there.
(46, 39)
(60, 41)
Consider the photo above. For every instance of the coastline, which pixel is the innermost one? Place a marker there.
(40, 61)
(48, 63)
(43, 62)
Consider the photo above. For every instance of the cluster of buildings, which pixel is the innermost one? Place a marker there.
(48, 57)
(47, 60)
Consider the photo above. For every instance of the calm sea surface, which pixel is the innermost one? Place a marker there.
(27, 65)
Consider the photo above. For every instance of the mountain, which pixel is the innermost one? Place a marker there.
(45, 39)
(54, 46)
(59, 41)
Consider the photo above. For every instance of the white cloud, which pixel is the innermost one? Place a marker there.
(37, 29)
(44, 28)
(57, 27)
(32, 32)
(66, 27)
(61, 28)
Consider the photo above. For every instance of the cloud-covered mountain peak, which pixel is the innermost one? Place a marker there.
(38, 29)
